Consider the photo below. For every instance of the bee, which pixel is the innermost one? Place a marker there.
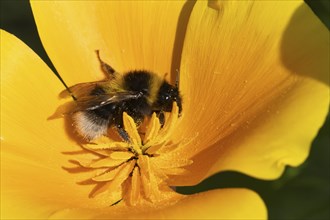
(98, 106)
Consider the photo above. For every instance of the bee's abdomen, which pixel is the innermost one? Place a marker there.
(89, 125)
(105, 112)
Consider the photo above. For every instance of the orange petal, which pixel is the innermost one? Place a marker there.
(33, 181)
(256, 91)
(216, 204)
(129, 34)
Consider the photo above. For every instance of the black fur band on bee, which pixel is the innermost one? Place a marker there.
(100, 105)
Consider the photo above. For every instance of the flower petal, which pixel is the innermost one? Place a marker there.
(125, 32)
(215, 204)
(33, 181)
(255, 86)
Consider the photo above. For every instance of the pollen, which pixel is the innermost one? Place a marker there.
(137, 171)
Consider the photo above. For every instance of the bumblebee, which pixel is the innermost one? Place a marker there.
(97, 106)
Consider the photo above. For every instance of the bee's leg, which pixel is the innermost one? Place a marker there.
(106, 68)
(123, 134)
(161, 117)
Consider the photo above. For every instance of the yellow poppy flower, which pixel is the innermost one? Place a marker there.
(255, 83)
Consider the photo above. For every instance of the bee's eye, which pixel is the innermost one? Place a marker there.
(167, 97)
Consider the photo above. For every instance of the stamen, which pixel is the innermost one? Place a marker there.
(164, 134)
(152, 129)
(117, 181)
(135, 186)
(110, 175)
(107, 162)
(137, 171)
(131, 129)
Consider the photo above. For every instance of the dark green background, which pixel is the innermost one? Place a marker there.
(301, 193)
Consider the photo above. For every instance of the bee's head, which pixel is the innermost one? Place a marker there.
(168, 94)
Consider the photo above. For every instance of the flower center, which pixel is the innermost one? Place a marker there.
(136, 172)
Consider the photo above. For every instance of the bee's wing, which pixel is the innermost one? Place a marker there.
(91, 102)
(80, 90)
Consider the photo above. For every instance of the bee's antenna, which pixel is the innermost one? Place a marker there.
(66, 87)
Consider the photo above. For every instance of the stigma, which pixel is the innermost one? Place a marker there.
(137, 171)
